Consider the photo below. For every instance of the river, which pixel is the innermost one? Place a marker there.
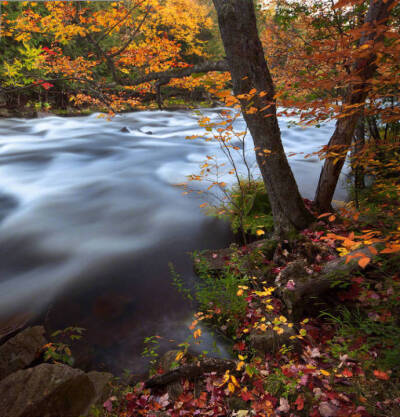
(92, 215)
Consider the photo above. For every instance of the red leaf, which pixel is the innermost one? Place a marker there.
(381, 375)
(246, 396)
(299, 402)
(46, 86)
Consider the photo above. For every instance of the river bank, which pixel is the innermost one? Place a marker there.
(168, 105)
(93, 207)
(313, 333)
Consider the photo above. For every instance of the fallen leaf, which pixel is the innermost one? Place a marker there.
(381, 375)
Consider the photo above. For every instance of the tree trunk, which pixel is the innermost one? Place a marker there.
(364, 68)
(358, 171)
(249, 70)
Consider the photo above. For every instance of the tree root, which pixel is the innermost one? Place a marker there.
(191, 371)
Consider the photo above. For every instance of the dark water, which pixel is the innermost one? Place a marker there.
(91, 217)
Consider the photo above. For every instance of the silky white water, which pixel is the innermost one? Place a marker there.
(91, 217)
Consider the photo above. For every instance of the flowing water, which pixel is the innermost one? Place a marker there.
(92, 215)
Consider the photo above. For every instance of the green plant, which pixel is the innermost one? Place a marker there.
(358, 334)
(219, 294)
(279, 385)
(152, 344)
(247, 208)
(61, 351)
(178, 283)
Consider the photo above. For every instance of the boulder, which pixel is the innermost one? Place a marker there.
(47, 390)
(124, 130)
(11, 325)
(102, 385)
(21, 350)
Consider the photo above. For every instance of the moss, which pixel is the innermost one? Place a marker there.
(247, 208)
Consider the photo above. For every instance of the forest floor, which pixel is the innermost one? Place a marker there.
(314, 323)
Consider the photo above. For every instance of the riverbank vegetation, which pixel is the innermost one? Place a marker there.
(309, 295)
(313, 319)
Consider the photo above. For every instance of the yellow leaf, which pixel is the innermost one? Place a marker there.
(260, 232)
(239, 365)
(197, 333)
(234, 380)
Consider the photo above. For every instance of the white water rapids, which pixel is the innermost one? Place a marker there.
(90, 217)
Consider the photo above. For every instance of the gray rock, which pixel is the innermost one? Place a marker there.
(11, 325)
(124, 130)
(47, 390)
(102, 385)
(42, 114)
(21, 350)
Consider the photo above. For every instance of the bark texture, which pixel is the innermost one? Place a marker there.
(378, 13)
(248, 68)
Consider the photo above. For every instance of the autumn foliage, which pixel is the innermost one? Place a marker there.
(330, 61)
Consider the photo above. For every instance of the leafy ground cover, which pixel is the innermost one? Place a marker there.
(340, 358)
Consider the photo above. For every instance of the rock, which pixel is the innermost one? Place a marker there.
(102, 385)
(270, 341)
(47, 390)
(149, 132)
(21, 350)
(124, 130)
(42, 114)
(13, 324)
(5, 112)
